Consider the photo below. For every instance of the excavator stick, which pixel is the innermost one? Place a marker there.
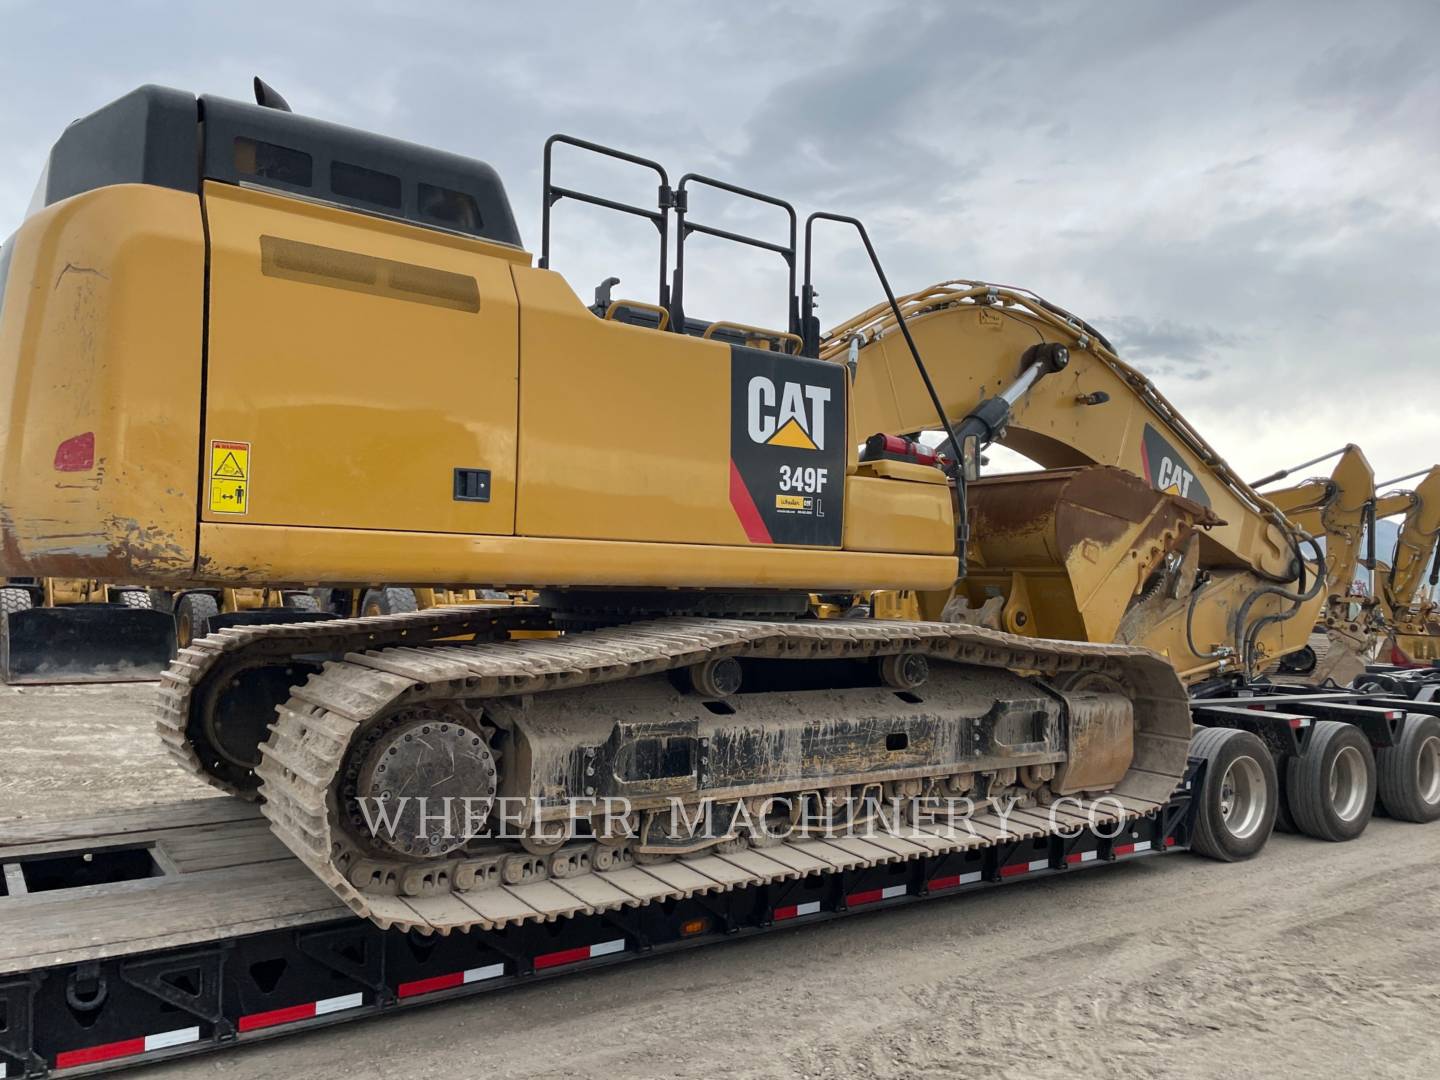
(83, 643)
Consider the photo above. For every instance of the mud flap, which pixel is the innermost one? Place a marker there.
(84, 643)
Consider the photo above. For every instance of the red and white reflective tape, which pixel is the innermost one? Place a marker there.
(1024, 868)
(574, 956)
(794, 911)
(450, 981)
(954, 881)
(874, 896)
(1131, 849)
(308, 1011)
(1081, 857)
(69, 1059)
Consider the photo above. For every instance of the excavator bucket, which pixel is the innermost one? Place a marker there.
(83, 643)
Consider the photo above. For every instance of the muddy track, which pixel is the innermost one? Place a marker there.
(306, 752)
(202, 668)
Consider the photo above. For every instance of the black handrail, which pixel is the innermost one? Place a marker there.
(811, 337)
(660, 217)
(684, 227)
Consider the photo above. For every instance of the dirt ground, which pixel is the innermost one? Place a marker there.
(1311, 960)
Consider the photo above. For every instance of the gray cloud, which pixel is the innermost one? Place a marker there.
(1251, 191)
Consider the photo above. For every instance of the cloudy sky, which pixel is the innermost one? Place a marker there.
(1244, 196)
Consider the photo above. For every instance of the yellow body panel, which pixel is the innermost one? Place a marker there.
(897, 515)
(357, 405)
(101, 335)
(625, 430)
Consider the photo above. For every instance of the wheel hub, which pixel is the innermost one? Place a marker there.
(1348, 784)
(1242, 797)
(430, 783)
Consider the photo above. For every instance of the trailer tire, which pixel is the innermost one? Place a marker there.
(136, 598)
(1408, 773)
(1332, 784)
(1238, 801)
(192, 617)
(13, 600)
(1284, 820)
(388, 601)
(301, 601)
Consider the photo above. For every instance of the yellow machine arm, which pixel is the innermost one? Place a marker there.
(1205, 532)
(1415, 547)
(1340, 507)
(1335, 506)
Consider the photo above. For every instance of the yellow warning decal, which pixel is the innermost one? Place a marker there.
(229, 477)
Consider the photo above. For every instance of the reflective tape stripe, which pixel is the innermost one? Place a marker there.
(450, 981)
(794, 911)
(1082, 857)
(1024, 868)
(178, 1037)
(874, 896)
(89, 1055)
(583, 952)
(339, 1004)
(954, 881)
(292, 1013)
(1130, 849)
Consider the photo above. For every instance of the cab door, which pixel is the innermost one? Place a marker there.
(361, 373)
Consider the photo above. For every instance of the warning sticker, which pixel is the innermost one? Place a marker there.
(229, 477)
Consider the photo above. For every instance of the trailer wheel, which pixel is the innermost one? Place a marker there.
(1408, 773)
(192, 617)
(388, 601)
(1332, 784)
(13, 600)
(1238, 802)
(301, 601)
(136, 598)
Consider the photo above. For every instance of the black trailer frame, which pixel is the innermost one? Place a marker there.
(126, 1009)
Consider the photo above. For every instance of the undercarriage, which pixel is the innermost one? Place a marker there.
(416, 776)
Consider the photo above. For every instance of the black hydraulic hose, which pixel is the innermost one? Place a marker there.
(1251, 633)
(1190, 627)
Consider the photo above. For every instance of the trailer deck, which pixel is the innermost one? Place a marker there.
(187, 927)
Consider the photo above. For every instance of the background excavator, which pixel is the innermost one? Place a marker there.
(1342, 508)
(78, 630)
(1408, 587)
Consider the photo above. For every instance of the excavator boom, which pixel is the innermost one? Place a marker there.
(1144, 535)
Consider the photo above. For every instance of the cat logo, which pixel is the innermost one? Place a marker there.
(1166, 471)
(793, 415)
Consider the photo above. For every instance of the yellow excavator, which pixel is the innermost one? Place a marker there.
(1343, 509)
(1407, 588)
(309, 354)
